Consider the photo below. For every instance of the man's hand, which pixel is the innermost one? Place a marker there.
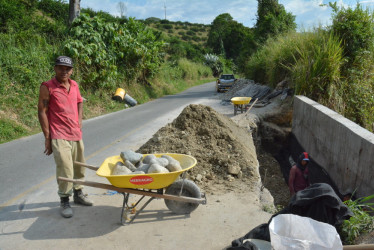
(48, 146)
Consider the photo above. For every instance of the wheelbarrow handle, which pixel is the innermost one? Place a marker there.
(136, 191)
(86, 165)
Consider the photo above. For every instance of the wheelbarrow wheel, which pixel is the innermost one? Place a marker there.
(190, 189)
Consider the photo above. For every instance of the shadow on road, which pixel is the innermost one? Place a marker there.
(42, 221)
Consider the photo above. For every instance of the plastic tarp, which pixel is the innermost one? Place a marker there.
(318, 202)
(289, 231)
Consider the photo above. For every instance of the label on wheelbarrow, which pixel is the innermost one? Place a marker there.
(141, 180)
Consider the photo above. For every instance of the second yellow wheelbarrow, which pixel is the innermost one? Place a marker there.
(239, 103)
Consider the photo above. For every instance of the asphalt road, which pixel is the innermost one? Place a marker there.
(25, 169)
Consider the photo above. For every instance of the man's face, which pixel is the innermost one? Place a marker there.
(304, 163)
(63, 73)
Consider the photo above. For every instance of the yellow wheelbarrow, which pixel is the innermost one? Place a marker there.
(239, 103)
(181, 196)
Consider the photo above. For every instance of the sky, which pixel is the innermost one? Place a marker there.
(308, 13)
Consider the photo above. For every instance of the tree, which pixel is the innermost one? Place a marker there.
(272, 19)
(74, 10)
(218, 32)
(122, 8)
(228, 38)
(355, 27)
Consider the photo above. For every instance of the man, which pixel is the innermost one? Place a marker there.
(60, 111)
(298, 179)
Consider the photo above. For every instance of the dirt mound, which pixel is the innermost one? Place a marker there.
(225, 153)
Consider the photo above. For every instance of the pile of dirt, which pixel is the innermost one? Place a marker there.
(225, 153)
(246, 88)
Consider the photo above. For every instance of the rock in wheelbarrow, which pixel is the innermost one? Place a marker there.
(147, 159)
(160, 161)
(120, 169)
(173, 165)
(130, 166)
(156, 168)
(143, 168)
(131, 156)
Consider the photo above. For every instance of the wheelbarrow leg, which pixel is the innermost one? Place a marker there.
(141, 209)
(126, 207)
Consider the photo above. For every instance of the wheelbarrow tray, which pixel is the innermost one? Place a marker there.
(240, 100)
(144, 181)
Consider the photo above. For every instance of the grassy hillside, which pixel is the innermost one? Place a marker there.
(189, 32)
(108, 52)
(331, 65)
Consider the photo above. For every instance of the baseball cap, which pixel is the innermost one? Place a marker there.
(64, 60)
(306, 156)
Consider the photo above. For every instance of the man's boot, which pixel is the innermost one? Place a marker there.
(66, 210)
(80, 198)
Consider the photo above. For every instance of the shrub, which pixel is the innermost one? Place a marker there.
(103, 49)
(167, 26)
(313, 77)
(58, 9)
(355, 27)
(311, 60)
(191, 71)
(14, 15)
(357, 91)
(214, 62)
(194, 29)
(26, 63)
(190, 33)
(360, 222)
(152, 20)
(186, 38)
(196, 38)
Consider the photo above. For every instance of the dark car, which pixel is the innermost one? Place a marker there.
(225, 82)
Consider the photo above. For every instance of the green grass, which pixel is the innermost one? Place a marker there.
(361, 222)
(170, 79)
(184, 32)
(315, 66)
(10, 130)
(18, 105)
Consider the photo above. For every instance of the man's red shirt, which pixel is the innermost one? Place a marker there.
(63, 110)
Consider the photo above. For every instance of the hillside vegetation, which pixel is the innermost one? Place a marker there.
(108, 53)
(196, 34)
(333, 65)
(151, 58)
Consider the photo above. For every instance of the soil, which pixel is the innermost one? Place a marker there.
(228, 159)
(224, 151)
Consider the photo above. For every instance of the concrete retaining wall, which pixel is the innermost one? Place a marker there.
(339, 145)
